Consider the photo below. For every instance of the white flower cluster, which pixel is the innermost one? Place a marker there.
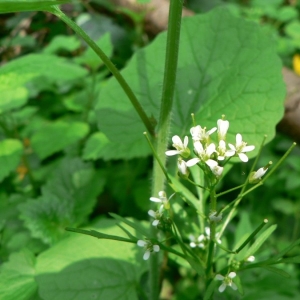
(202, 239)
(206, 152)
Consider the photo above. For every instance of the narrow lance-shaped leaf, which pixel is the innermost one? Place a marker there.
(9, 6)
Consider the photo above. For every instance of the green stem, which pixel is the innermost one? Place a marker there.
(126, 88)
(172, 47)
(211, 247)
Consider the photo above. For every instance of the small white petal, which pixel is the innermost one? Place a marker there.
(192, 162)
(231, 275)
(229, 153)
(152, 213)
(198, 148)
(211, 163)
(186, 141)
(141, 243)
(209, 132)
(233, 286)
(146, 255)
(154, 199)
(207, 231)
(193, 244)
(251, 258)
(243, 157)
(200, 238)
(176, 140)
(222, 287)
(162, 194)
(232, 147)
(219, 277)
(211, 149)
(172, 152)
(155, 223)
(156, 248)
(248, 148)
(238, 139)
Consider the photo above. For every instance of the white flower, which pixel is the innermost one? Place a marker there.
(241, 147)
(251, 258)
(223, 152)
(207, 231)
(227, 281)
(256, 176)
(181, 147)
(162, 199)
(213, 165)
(213, 217)
(199, 134)
(222, 129)
(206, 153)
(157, 215)
(148, 247)
(197, 242)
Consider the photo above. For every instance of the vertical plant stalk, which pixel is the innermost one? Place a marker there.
(124, 85)
(172, 49)
(211, 247)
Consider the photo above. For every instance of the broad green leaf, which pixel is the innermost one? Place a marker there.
(78, 181)
(95, 145)
(10, 155)
(90, 58)
(16, 76)
(47, 217)
(229, 67)
(62, 42)
(259, 241)
(17, 277)
(54, 137)
(82, 267)
(7, 6)
(68, 197)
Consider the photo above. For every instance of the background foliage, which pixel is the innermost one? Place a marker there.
(72, 148)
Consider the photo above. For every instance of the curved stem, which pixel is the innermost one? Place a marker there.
(126, 88)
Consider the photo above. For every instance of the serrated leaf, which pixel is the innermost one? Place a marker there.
(54, 137)
(83, 267)
(8, 6)
(47, 217)
(229, 67)
(10, 155)
(80, 183)
(17, 277)
(259, 241)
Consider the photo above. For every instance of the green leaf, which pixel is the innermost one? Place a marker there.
(90, 58)
(291, 260)
(229, 67)
(56, 136)
(16, 75)
(10, 155)
(47, 217)
(277, 271)
(184, 192)
(62, 42)
(82, 267)
(17, 277)
(68, 197)
(7, 6)
(80, 183)
(94, 146)
(259, 241)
